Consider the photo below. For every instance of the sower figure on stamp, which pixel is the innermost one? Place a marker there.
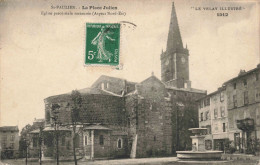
(100, 40)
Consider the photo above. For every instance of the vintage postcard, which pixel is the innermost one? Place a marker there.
(129, 82)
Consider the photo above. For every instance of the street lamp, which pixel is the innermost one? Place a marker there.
(40, 144)
(27, 143)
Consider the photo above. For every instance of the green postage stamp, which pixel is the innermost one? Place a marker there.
(102, 44)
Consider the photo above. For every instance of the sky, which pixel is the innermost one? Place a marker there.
(43, 56)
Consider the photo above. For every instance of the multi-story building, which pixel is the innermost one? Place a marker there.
(233, 112)
(9, 141)
(243, 93)
(213, 116)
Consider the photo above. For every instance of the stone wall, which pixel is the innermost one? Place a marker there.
(103, 109)
(150, 119)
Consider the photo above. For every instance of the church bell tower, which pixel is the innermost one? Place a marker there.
(175, 60)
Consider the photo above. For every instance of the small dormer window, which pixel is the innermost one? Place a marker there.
(103, 86)
(127, 88)
(245, 83)
(185, 85)
(221, 96)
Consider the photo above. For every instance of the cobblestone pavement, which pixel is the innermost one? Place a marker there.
(144, 161)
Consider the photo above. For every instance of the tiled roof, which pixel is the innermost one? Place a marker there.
(9, 128)
(95, 91)
(242, 75)
(213, 93)
(154, 78)
(84, 91)
(39, 120)
(96, 127)
(112, 79)
(187, 89)
(60, 129)
(174, 88)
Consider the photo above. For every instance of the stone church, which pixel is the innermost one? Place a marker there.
(119, 118)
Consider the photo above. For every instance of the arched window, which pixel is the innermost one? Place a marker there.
(120, 143)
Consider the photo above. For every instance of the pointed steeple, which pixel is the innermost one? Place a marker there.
(174, 36)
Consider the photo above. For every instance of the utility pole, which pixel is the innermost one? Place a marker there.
(55, 118)
(26, 153)
(57, 143)
(27, 143)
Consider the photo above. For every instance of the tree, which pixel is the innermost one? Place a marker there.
(185, 116)
(75, 117)
(22, 142)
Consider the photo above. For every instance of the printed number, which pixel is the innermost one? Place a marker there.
(91, 55)
(116, 55)
(222, 14)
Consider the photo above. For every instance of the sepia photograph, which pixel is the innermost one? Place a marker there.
(129, 82)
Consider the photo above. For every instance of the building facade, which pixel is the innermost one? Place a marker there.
(9, 141)
(244, 109)
(213, 115)
(232, 113)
